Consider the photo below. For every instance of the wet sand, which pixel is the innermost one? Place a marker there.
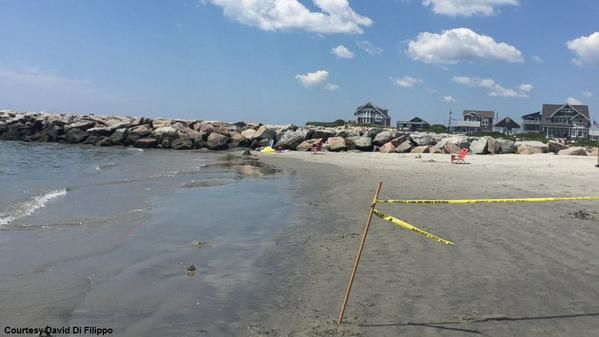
(516, 269)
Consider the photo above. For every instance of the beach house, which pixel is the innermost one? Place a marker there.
(486, 118)
(566, 121)
(371, 114)
(414, 124)
(507, 126)
(532, 122)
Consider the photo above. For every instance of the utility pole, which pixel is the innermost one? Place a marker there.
(449, 122)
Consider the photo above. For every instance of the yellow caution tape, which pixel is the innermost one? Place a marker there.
(484, 201)
(407, 226)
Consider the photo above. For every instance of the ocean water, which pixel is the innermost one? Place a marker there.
(104, 237)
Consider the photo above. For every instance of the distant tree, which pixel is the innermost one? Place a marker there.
(437, 128)
(339, 122)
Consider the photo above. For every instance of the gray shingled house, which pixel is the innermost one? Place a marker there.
(566, 121)
(372, 115)
(486, 118)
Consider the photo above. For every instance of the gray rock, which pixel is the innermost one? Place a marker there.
(83, 125)
(383, 137)
(76, 135)
(184, 142)
(216, 141)
(336, 144)
(248, 133)
(119, 136)
(539, 147)
(387, 148)
(291, 139)
(146, 142)
(573, 151)
(555, 147)
(505, 145)
(165, 131)
(406, 146)
(361, 143)
(307, 145)
(160, 123)
(422, 138)
(421, 149)
(479, 146)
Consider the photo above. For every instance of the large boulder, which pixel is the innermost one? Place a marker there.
(184, 142)
(83, 125)
(291, 139)
(539, 147)
(573, 151)
(336, 144)
(265, 133)
(383, 137)
(504, 146)
(361, 143)
(479, 146)
(528, 149)
(422, 138)
(323, 134)
(387, 148)
(160, 123)
(421, 149)
(406, 146)
(138, 132)
(216, 141)
(248, 133)
(165, 131)
(146, 142)
(307, 145)
(76, 135)
(555, 147)
(118, 137)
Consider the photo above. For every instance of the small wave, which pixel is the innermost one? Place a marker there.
(30, 206)
(101, 167)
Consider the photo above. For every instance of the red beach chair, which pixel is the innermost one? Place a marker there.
(460, 158)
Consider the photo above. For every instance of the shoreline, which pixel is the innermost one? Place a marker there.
(523, 269)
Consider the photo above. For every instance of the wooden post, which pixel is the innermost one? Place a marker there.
(360, 251)
(597, 165)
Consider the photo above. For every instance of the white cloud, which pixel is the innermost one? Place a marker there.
(449, 99)
(331, 87)
(493, 88)
(586, 49)
(407, 81)
(536, 59)
(314, 79)
(467, 7)
(342, 52)
(460, 45)
(335, 16)
(587, 93)
(526, 87)
(369, 47)
(573, 101)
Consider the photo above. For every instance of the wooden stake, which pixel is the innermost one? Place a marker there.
(360, 251)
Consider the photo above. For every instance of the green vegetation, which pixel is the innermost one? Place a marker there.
(338, 122)
(533, 136)
(585, 142)
(436, 128)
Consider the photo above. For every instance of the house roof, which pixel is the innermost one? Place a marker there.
(379, 109)
(508, 123)
(415, 120)
(481, 113)
(532, 115)
(549, 109)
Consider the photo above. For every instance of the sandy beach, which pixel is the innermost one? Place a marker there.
(516, 269)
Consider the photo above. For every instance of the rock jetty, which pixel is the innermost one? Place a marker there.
(180, 134)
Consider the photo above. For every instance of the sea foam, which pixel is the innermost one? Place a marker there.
(28, 207)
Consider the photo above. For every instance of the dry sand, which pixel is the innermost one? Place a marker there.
(516, 269)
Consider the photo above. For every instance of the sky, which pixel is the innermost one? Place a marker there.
(292, 61)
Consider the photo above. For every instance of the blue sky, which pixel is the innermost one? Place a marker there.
(290, 61)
